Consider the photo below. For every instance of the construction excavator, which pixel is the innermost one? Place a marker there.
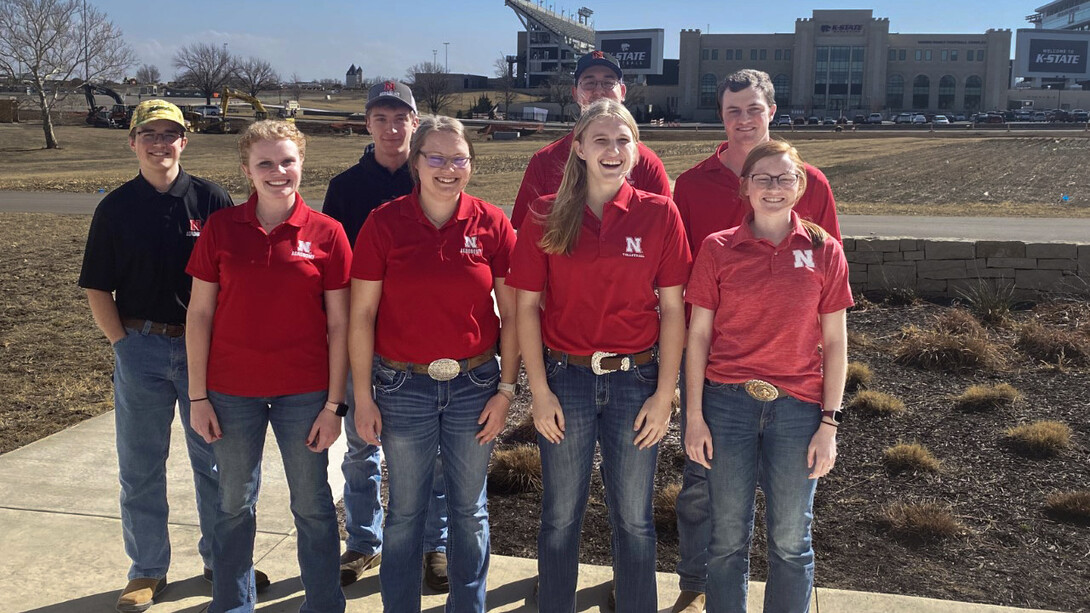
(259, 109)
(99, 116)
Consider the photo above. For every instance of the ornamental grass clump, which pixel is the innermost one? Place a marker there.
(869, 402)
(909, 458)
(858, 377)
(515, 471)
(1040, 439)
(1058, 346)
(665, 508)
(921, 523)
(957, 342)
(1073, 507)
(524, 432)
(984, 398)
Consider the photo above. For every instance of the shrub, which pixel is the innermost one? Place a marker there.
(875, 403)
(1054, 345)
(980, 398)
(523, 433)
(945, 350)
(990, 302)
(859, 340)
(1072, 507)
(921, 522)
(910, 457)
(515, 470)
(958, 321)
(665, 508)
(1040, 439)
(859, 376)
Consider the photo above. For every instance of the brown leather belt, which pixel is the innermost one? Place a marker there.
(171, 330)
(604, 362)
(443, 369)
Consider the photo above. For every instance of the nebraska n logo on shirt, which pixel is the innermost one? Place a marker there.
(633, 247)
(194, 227)
(471, 247)
(804, 258)
(303, 250)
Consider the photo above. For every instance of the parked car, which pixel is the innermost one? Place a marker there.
(859, 119)
(828, 121)
(991, 118)
(799, 121)
(875, 118)
(919, 119)
(903, 118)
(813, 120)
(783, 120)
(1040, 116)
(1080, 115)
(941, 119)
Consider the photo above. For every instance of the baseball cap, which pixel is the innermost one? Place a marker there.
(598, 58)
(150, 110)
(390, 89)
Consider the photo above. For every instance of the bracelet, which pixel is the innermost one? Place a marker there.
(829, 423)
(192, 400)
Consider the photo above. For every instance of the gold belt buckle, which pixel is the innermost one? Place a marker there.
(596, 363)
(444, 369)
(761, 390)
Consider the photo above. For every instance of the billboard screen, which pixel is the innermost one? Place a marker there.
(638, 51)
(1052, 53)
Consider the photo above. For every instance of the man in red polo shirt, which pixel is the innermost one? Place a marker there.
(708, 199)
(597, 75)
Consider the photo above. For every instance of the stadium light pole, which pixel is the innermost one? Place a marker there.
(446, 57)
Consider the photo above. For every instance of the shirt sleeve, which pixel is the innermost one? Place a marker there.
(703, 287)
(836, 291)
(529, 264)
(529, 191)
(99, 259)
(333, 204)
(681, 200)
(650, 175)
(505, 246)
(337, 267)
(204, 261)
(369, 256)
(821, 207)
(676, 258)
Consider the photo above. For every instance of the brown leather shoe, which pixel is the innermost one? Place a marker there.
(140, 594)
(354, 564)
(435, 571)
(689, 602)
(261, 580)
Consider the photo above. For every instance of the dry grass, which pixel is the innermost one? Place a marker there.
(957, 343)
(859, 340)
(990, 300)
(515, 470)
(869, 402)
(981, 398)
(665, 508)
(921, 523)
(959, 322)
(1040, 439)
(1071, 506)
(523, 432)
(910, 457)
(859, 376)
(1058, 346)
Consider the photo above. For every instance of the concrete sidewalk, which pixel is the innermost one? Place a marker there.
(61, 550)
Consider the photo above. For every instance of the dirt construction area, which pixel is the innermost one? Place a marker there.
(981, 511)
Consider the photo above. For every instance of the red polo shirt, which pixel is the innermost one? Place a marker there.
(766, 300)
(436, 282)
(546, 170)
(707, 197)
(602, 296)
(269, 330)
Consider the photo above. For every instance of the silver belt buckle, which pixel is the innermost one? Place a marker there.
(596, 362)
(444, 369)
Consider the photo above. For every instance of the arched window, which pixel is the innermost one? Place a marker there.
(921, 93)
(782, 85)
(707, 90)
(947, 84)
(972, 93)
(895, 92)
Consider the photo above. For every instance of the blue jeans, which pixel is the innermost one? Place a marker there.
(760, 443)
(694, 522)
(602, 409)
(150, 376)
(362, 482)
(244, 421)
(420, 418)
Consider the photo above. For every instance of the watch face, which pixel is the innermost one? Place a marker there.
(836, 416)
(342, 409)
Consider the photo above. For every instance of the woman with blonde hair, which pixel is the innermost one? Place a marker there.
(764, 375)
(599, 271)
(425, 331)
(266, 336)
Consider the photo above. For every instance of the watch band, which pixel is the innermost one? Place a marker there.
(340, 409)
(511, 389)
(835, 416)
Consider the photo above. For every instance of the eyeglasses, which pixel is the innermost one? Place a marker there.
(589, 85)
(441, 161)
(765, 180)
(167, 138)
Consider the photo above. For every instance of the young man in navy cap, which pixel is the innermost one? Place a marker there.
(134, 274)
(381, 175)
(597, 75)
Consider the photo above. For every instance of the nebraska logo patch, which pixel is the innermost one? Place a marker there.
(633, 246)
(804, 258)
(194, 227)
(471, 247)
(303, 250)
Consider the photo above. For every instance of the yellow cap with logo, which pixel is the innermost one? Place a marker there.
(151, 110)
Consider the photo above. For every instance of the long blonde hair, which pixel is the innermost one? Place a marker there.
(566, 216)
(773, 148)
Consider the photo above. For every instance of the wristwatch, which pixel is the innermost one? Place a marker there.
(511, 389)
(339, 408)
(835, 415)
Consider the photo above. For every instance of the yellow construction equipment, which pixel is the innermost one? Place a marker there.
(228, 93)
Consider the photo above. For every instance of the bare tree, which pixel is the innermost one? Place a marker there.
(255, 75)
(148, 74)
(296, 86)
(431, 85)
(205, 66)
(558, 89)
(53, 41)
(505, 79)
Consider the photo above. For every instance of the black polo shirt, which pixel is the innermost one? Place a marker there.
(354, 193)
(139, 244)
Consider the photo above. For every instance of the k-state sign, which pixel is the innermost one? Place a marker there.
(632, 53)
(1050, 55)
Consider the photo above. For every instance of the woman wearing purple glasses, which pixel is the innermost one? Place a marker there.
(424, 329)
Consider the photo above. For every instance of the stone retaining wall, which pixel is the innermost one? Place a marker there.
(946, 268)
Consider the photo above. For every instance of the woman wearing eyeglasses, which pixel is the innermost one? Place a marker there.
(766, 359)
(423, 328)
(602, 355)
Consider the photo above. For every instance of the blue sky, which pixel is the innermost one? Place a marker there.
(320, 38)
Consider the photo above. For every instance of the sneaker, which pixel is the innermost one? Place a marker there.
(261, 580)
(689, 602)
(435, 571)
(354, 563)
(140, 594)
